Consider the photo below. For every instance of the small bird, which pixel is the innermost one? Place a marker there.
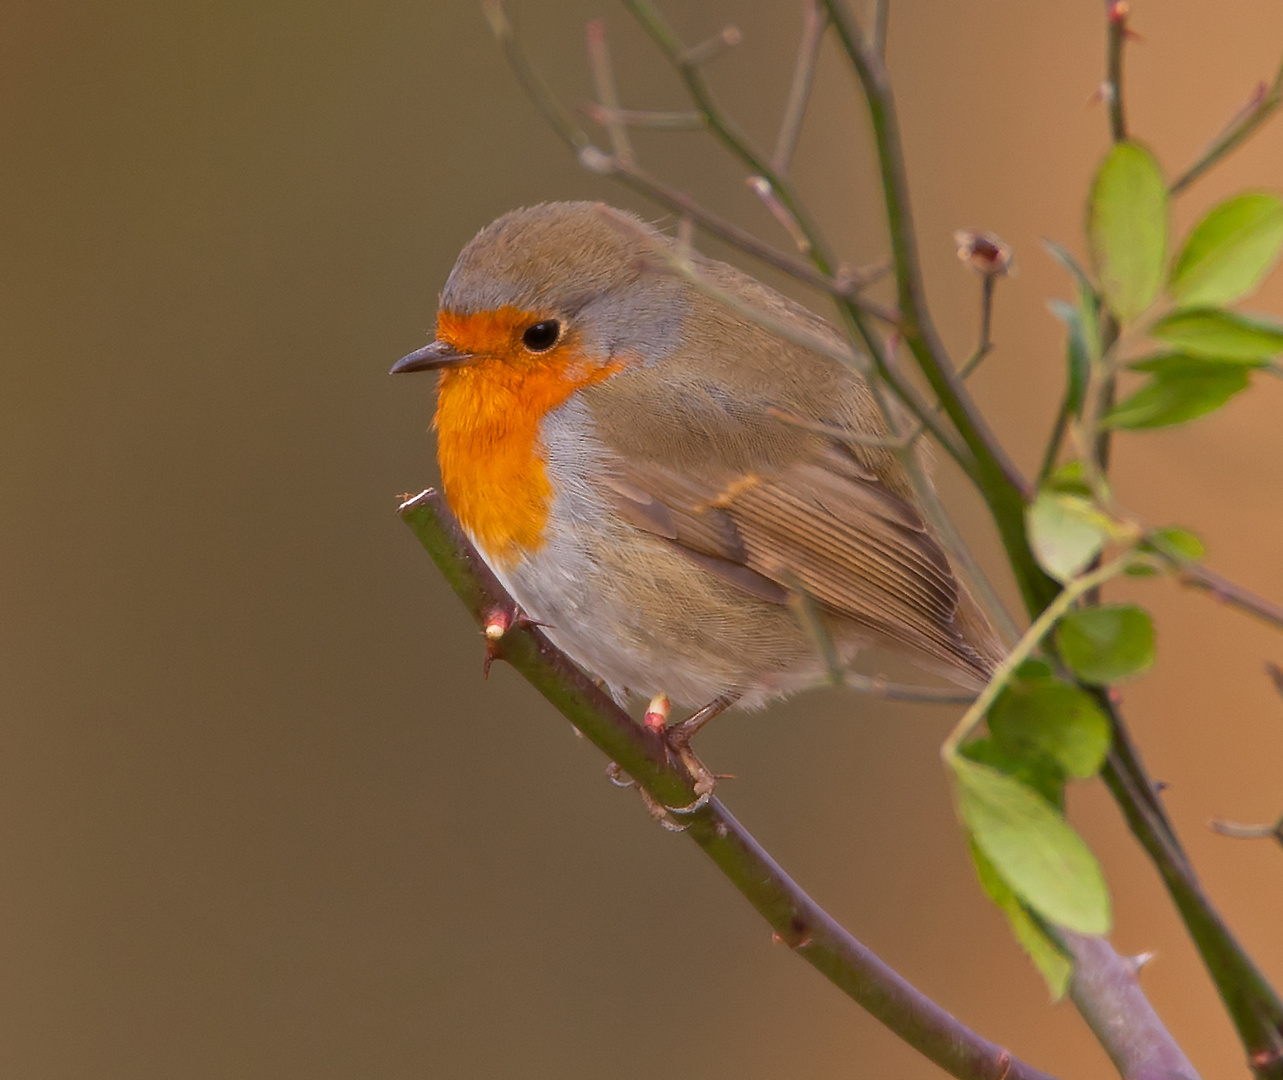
(624, 451)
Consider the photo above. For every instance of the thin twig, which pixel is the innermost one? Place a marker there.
(596, 160)
(813, 22)
(1028, 643)
(1116, 16)
(761, 187)
(881, 21)
(1200, 577)
(877, 686)
(1276, 675)
(1248, 832)
(603, 74)
(645, 118)
(641, 754)
(1005, 490)
(1259, 108)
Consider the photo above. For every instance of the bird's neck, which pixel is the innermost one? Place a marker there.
(493, 461)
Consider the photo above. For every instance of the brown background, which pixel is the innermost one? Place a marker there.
(259, 814)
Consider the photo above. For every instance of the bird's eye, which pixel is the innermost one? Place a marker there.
(541, 336)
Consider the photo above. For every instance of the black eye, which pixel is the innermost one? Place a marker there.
(542, 335)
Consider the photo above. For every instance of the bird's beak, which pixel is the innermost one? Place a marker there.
(432, 357)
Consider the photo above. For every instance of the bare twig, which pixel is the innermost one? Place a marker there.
(642, 754)
(881, 21)
(1276, 676)
(761, 187)
(1260, 107)
(1005, 490)
(644, 118)
(1117, 13)
(1248, 832)
(607, 96)
(877, 686)
(813, 21)
(596, 160)
(726, 38)
(1200, 577)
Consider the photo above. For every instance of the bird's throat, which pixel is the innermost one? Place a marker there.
(493, 460)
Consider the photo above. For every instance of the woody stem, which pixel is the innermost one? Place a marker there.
(794, 916)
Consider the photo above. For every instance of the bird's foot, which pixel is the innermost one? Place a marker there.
(678, 737)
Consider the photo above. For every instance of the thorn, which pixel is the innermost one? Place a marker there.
(1139, 961)
(1266, 1059)
(1004, 1065)
(656, 717)
(1103, 93)
(618, 777)
(1276, 675)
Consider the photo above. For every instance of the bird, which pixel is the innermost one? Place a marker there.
(656, 477)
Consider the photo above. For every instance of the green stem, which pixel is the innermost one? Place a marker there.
(1262, 106)
(1004, 489)
(1024, 648)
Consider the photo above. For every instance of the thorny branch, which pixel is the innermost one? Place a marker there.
(642, 754)
(1260, 108)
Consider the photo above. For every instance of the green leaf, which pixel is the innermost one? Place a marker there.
(1054, 966)
(1220, 335)
(1080, 349)
(1032, 848)
(1062, 255)
(1177, 363)
(1065, 532)
(1176, 543)
(1178, 393)
(1044, 717)
(1104, 644)
(1039, 772)
(1127, 229)
(1069, 478)
(1229, 251)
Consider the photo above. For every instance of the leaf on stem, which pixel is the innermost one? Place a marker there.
(1229, 251)
(1175, 543)
(1054, 966)
(1032, 848)
(1104, 644)
(1181, 388)
(1066, 532)
(1127, 228)
(1036, 771)
(1220, 335)
(1082, 346)
(1044, 717)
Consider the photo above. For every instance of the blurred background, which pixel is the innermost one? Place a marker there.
(259, 813)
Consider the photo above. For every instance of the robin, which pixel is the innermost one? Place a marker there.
(617, 444)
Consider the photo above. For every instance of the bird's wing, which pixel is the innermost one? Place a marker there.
(823, 524)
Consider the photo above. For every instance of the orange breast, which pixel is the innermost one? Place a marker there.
(488, 412)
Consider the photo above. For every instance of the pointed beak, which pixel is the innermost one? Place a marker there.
(432, 357)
